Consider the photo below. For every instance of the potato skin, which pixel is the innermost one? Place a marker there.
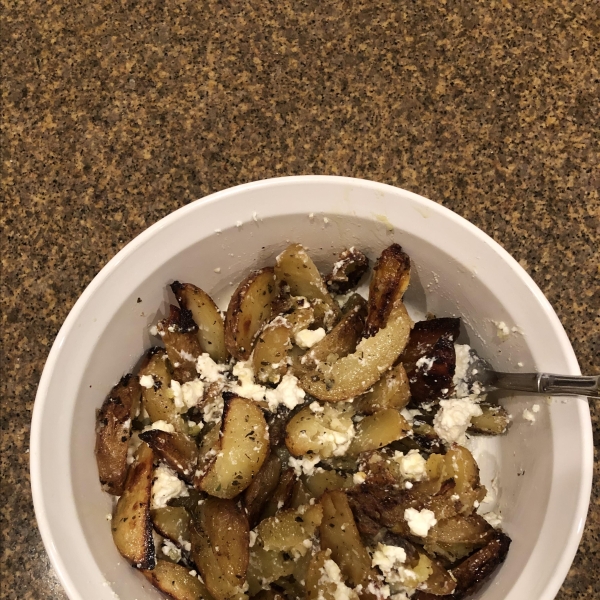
(347, 271)
(177, 449)
(176, 581)
(391, 391)
(113, 430)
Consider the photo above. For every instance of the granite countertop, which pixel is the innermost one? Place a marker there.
(116, 114)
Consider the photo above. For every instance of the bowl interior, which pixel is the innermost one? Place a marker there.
(543, 469)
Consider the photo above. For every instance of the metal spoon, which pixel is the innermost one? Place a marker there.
(480, 371)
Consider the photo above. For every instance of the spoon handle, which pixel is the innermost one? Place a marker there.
(547, 383)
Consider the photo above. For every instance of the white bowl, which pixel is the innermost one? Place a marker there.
(545, 469)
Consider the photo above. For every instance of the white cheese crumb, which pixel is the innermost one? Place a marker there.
(305, 464)
(412, 466)
(453, 419)
(502, 329)
(494, 519)
(528, 416)
(463, 360)
(331, 574)
(246, 387)
(408, 485)
(166, 486)
(253, 536)
(153, 330)
(186, 396)
(311, 216)
(217, 269)
(359, 477)
(424, 364)
(238, 223)
(287, 393)
(160, 426)
(109, 517)
(325, 220)
(147, 381)
(307, 338)
(316, 407)
(419, 521)
(519, 364)
(390, 560)
(171, 550)
(208, 369)
(535, 408)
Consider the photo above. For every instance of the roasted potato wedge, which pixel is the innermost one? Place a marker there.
(325, 481)
(113, 430)
(176, 581)
(207, 316)
(431, 345)
(391, 276)
(301, 317)
(423, 438)
(494, 420)
(378, 430)
(340, 535)
(172, 522)
(220, 540)
(471, 529)
(230, 460)
(131, 524)
(267, 566)
(273, 343)
(157, 401)
(391, 391)
(347, 271)
(356, 373)
(326, 433)
(281, 497)
(321, 576)
(462, 467)
(179, 334)
(250, 307)
(300, 495)
(177, 449)
(262, 488)
(296, 269)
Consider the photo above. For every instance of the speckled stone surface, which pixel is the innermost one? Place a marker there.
(116, 113)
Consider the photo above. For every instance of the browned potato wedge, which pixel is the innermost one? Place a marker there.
(424, 438)
(432, 340)
(326, 433)
(262, 488)
(296, 269)
(316, 586)
(178, 450)
(267, 566)
(391, 276)
(220, 540)
(471, 529)
(273, 343)
(207, 316)
(356, 373)
(250, 307)
(439, 581)
(176, 581)
(378, 430)
(113, 430)
(301, 317)
(131, 524)
(237, 455)
(157, 401)
(300, 495)
(462, 467)
(179, 334)
(287, 531)
(282, 495)
(494, 420)
(340, 535)
(347, 271)
(172, 522)
(391, 391)
(325, 481)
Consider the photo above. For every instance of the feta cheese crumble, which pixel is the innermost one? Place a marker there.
(419, 521)
(425, 364)
(502, 329)
(287, 393)
(412, 465)
(453, 419)
(186, 396)
(390, 561)
(331, 574)
(147, 381)
(166, 486)
(246, 387)
(359, 478)
(171, 550)
(463, 361)
(304, 465)
(307, 338)
(160, 426)
(528, 416)
(208, 369)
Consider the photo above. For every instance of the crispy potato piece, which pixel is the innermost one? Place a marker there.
(356, 373)
(267, 566)
(391, 276)
(378, 430)
(238, 453)
(250, 307)
(282, 495)
(113, 430)
(424, 439)
(462, 467)
(177, 449)
(296, 269)
(325, 481)
(326, 433)
(494, 420)
(301, 317)
(287, 531)
(131, 525)
(273, 343)
(340, 535)
(300, 495)
(471, 529)
(176, 581)
(439, 580)
(347, 271)
(262, 487)
(391, 391)
(220, 540)
(433, 341)
(320, 586)
(207, 316)
(156, 400)
(179, 334)
(172, 522)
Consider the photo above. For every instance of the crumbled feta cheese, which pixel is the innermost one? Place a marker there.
(453, 419)
(528, 415)
(246, 387)
(186, 396)
(166, 486)
(390, 560)
(217, 269)
(153, 330)
(325, 220)
(213, 411)
(253, 536)
(331, 574)
(408, 485)
(304, 465)
(425, 364)
(238, 223)
(109, 517)
(359, 477)
(502, 329)
(208, 369)
(535, 408)
(147, 381)
(160, 426)
(316, 407)
(287, 393)
(171, 550)
(419, 521)
(494, 519)
(463, 360)
(412, 466)
(307, 338)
